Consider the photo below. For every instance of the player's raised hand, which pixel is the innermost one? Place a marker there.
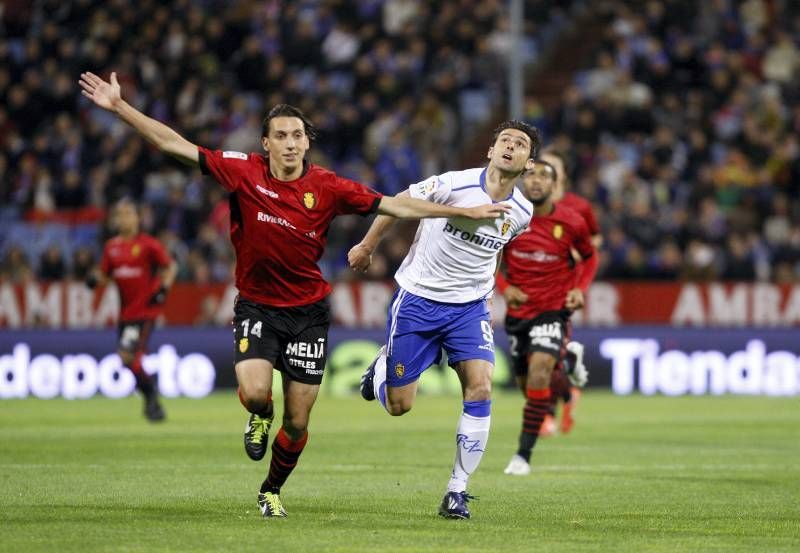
(487, 211)
(359, 257)
(104, 94)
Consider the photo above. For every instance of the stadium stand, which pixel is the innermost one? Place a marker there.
(682, 125)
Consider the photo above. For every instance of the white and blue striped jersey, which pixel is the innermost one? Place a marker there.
(454, 260)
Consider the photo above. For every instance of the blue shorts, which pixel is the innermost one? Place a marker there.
(418, 328)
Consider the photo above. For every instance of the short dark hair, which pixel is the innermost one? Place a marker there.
(530, 130)
(543, 163)
(127, 201)
(565, 160)
(285, 110)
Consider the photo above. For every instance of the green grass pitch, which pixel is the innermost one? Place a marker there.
(637, 474)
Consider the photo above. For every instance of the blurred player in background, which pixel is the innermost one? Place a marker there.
(541, 292)
(560, 386)
(281, 209)
(441, 302)
(143, 272)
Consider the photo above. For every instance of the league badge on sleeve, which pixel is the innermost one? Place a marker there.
(244, 343)
(427, 187)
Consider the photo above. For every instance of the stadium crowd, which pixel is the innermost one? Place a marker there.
(683, 129)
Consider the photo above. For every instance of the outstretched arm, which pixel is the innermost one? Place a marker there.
(360, 255)
(108, 95)
(403, 206)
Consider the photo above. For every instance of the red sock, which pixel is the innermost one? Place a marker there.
(285, 454)
(532, 416)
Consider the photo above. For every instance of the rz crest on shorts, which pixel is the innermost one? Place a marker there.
(418, 329)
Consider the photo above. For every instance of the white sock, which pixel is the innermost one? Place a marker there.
(471, 438)
(379, 380)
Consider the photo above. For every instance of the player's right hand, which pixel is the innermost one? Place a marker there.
(359, 257)
(160, 296)
(104, 94)
(514, 296)
(487, 211)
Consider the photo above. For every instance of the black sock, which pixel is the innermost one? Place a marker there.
(526, 443)
(145, 385)
(285, 454)
(532, 417)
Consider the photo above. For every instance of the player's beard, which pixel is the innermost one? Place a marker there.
(540, 201)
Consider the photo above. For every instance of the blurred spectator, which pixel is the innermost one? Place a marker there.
(683, 135)
(82, 263)
(738, 259)
(51, 265)
(15, 267)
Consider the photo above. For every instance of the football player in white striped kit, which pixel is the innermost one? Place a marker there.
(445, 283)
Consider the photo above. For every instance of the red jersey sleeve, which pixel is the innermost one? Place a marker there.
(583, 240)
(227, 168)
(591, 220)
(354, 197)
(158, 254)
(105, 262)
(586, 272)
(500, 282)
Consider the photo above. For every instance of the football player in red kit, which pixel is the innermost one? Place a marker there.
(281, 210)
(542, 286)
(560, 386)
(143, 272)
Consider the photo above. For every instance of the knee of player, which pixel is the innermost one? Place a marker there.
(478, 391)
(254, 398)
(541, 365)
(295, 425)
(398, 408)
(127, 357)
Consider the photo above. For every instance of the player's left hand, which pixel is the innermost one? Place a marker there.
(359, 257)
(487, 211)
(160, 296)
(575, 299)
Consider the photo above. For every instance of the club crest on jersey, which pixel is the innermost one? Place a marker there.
(505, 227)
(309, 200)
(244, 343)
(399, 370)
(558, 232)
(136, 250)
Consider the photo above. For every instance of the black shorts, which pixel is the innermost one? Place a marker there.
(548, 332)
(132, 336)
(293, 339)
